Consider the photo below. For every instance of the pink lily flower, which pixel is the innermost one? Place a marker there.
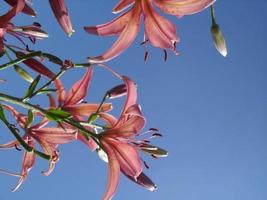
(121, 146)
(159, 31)
(61, 13)
(48, 138)
(72, 102)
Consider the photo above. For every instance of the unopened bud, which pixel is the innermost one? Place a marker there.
(153, 150)
(218, 39)
(23, 73)
(117, 91)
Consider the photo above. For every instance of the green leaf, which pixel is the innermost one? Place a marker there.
(2, 114)
(57, 114)
(29, 118)
(46, 91)
(32, 87)
(53, 58)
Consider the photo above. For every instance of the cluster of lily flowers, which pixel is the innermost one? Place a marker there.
(120, 140)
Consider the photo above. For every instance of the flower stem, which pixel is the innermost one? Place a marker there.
(212, 12)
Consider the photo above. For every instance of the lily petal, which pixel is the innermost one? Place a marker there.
(111, 28)
(27, 164)
(55, 135)
(61, 13)
(9, 145)
(122, 5)
(159, 31)
(144, 181)
(26, 10)
(113, 173)
(79, 90)
(124, 40)
(127, 156)
(87, 108)
(4, 19)
(183, 7)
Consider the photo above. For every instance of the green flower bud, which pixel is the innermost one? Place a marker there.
(218, 39)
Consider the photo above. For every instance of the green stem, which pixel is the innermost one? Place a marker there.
(17, 101)
(21, 59)
(58, 75)
(212, 11)
(82, 65)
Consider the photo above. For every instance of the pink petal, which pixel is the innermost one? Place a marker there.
(52, 101)
(127, 156)
(125, 39)
(131, 97)
(50, 149)
(108, 118)
(55, 135)
(89, 143)
(20, 118)
(144, 181)
(122, 5)
(183, 7)
(87, 109)
(27, 164)
(111, 28)
(130, 124)
(61, 93)
(61, 13)
(9, 145)
(159, 31)
(26, 10)
(79, 90)
(113, 172)
(12, 12)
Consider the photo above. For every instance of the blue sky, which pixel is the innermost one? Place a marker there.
(211, 110)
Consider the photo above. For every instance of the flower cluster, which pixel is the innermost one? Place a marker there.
(118, 140)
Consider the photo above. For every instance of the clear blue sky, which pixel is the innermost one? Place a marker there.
(211, 110)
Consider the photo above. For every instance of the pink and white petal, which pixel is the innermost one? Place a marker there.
(27, 164)
(55, 135)
(122, 5)
(111, 28)
(127, 157)
(183, 7)
(87, 109)
(4, 19)
(124, 40)
(109, 119)
(159, 31)
(79, 90)
(144, 181)
(113, 172)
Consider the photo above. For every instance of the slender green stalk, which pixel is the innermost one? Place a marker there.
(21, 59)
(212, 12)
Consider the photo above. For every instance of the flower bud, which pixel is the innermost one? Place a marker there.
(117, 91)
(218, 39)
(23, 73)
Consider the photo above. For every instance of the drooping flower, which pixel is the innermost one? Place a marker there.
(159, 31)
(120, 144)
(48, 137)
(61, 13)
